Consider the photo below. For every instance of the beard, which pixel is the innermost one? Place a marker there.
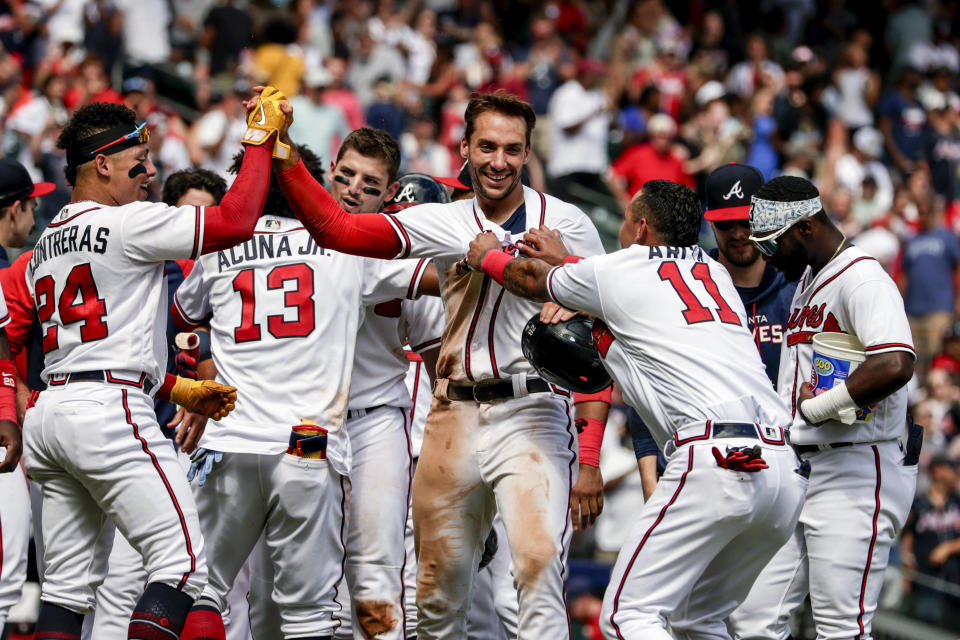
(481, 190)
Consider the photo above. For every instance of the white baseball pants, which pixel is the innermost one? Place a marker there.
(14, 537)
(99, 455)
(514, 456)
(858, 501)
(699, 542)
(297, 503)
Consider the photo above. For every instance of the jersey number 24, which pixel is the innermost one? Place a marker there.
(79, 302)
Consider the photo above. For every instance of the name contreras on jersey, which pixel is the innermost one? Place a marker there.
(67, 240)
(267, 245)
(677, 253)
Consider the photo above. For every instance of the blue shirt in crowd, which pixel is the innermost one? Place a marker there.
(929, 262)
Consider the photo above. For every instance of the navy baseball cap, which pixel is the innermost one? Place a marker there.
(16, 184)
(729, 189)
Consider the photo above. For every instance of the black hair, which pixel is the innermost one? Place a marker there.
(90, 119)
(276, 203)
(787, 189)
(374, 143)
(672, 210)
(498, 102)
(182, 181)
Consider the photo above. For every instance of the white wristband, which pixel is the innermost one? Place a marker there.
(834, 404)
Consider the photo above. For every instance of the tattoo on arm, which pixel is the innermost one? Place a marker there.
(527, 277)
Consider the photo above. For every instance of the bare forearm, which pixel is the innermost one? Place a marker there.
(527, 278)
(879, 376)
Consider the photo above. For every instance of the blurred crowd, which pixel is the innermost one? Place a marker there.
(863, 102)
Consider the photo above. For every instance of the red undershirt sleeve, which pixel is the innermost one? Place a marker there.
(234, 219)
(360, 234)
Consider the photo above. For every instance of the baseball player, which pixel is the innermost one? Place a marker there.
(18, 200)
(498, 438)
(268, 303)
(674, 337)
(92, 441)
(861, 485)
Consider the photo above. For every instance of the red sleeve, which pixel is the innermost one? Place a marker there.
(360, 234)
(605, 395)
(19, 303)
(234, 219)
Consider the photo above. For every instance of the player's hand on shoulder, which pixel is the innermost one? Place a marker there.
(479, 246)
(206, 397)
(552, 313)
(586, 498)
(10, 441)
(544, 244)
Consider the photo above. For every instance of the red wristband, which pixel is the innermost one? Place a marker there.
(163, 393)
(8, 391)
(604, 395)
(571, 260)
(494, 263)
(591, 436)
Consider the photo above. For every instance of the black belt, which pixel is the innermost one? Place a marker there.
(490, 391)
(813, 448)
(143, 382)
(734, 430)
(359, 413)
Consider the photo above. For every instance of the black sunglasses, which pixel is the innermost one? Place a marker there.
(727, 225)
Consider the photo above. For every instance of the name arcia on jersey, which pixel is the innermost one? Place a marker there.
(267, 245)
(676, 253)
(67, 240)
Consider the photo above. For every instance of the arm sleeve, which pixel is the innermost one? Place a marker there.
(875, 311)
(574, 286)
(362, 234)
(19, 303)
(234, 219)
(385, 280)
(643, 443)
(191, 302)
(424, 320)
(4, 314)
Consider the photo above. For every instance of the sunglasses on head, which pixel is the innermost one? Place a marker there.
(768, 245)
(727, 225)
(141, 134)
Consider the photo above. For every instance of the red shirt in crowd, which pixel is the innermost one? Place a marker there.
(641, 163)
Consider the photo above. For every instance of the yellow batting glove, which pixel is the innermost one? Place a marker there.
(265, 120)
(205, 397)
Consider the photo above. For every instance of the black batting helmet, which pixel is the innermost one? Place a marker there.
(564, 354)
(416, 188)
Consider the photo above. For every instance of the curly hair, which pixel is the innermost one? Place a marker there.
(673, 210)
(787, 189)
(182, 181)
(499, 102)
(276, 203)
(374, 143)
(90, 119)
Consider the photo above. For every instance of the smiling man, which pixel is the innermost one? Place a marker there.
(498, 438)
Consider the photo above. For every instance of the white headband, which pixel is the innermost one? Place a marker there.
(769, 215)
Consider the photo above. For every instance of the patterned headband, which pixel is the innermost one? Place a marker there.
(769, 215)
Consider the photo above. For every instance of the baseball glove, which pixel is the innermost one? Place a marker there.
(265, 120)
(205, 397)
(746, 459)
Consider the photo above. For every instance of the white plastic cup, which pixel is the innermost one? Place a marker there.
(835, 357)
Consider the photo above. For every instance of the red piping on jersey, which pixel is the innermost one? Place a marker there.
(563, 536)
(424, 345)
(476, 217)
(793, 396)
(473, 325)
(133, 383)
(412, 289)
(180, 318)
(416, 391)
(543, 208)
(166, 483)
(343, 545)
(873, 539)
(837, 275)
(663, 512)
(4, 319)
(406, 236)
(550, 284)
(706, 435)
(197, 228)
(79, 213)
(493, 318)
(560, 392)
(782, 440)
(403, 566)
(889, 345)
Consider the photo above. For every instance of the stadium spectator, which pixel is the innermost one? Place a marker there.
(651, 160)
(318, 124)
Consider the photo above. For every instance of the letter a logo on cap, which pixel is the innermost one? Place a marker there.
(735, 190)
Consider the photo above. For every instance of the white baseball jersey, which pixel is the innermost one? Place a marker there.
(673, 311)
(483, 324)
(852, 294)
(4, 314)
(96, 277)
(424, 327)
(379, 364)
(270, 300)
